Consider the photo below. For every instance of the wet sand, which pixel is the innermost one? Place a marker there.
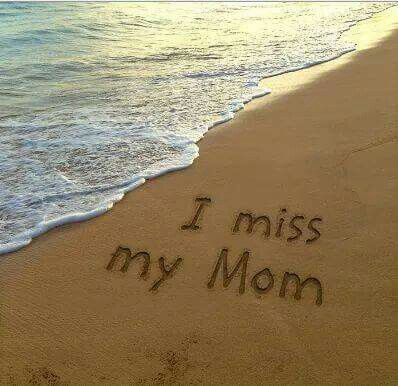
(326, 150)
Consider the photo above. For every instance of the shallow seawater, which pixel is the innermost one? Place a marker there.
(97, 97)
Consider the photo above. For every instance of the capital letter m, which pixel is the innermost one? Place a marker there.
(227, 278)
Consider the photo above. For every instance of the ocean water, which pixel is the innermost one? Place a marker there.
(97, 97)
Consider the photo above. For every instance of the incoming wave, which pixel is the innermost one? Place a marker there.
(90, 109)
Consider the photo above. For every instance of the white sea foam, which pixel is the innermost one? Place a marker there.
(90, 109)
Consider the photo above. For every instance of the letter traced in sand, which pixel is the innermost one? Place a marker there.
(256, 278)
(311, 228)
(227, 278)
(124, 252)
(203, 201)
(295, 228)
(288, 277)
(278, 232)
(252, 222)
(166, 272)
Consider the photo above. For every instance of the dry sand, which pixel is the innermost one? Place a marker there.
(325, 150)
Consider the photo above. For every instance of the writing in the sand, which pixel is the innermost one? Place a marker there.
(262, 223)
(123, 256)
(261, 281)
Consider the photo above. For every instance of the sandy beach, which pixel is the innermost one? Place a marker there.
(315, 163)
